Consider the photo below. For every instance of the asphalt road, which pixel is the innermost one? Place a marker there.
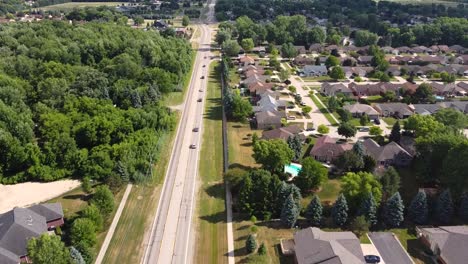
(390, 248)
(171, 239)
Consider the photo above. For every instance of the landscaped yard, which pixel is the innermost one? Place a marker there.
(357, 122)
(389, 120)
(327, 194)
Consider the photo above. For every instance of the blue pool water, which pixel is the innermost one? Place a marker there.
(293, 169)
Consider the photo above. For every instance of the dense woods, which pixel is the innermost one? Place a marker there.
(84, 100)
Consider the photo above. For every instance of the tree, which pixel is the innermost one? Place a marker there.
(333, 104)
(337, 73)
(76, 257)
(360, 226)
(86, 185)
(284, 74)
(375, 131)
(332, 61)
(306, 109)
(395, 134)
(463, 209)
(423, 94)
(83, 233)
(314, 211)
(368, 209)
(345, 115)
(272, 154)
(222, 36)
(92, 212)
(312, 175)
(104, 200)
(451, 117)
(185, 21)
(288, 50)
(389, 96)
(47, 249)
(262, 250)
(295, 144)
(230, 47)
(247, 44)
(347, 130)
(340, 211)
(364, 120)
(251, 244)
(444, 207)
(356, 187)
(235, 177)
(423, 125)
(364, 38)
(323, 129)
(292, 88)
(390, 182)
(240, 108)
(290, 212)
(447, 78)
(139, 20)
(369, 163)
(283, 192)
(393, 211)
(418, 211)
(349, 161)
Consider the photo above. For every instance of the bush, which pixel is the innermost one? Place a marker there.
(250, 244)
(323, 129)
(104, 200)
(262, 249)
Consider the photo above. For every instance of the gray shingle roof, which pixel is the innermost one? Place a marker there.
(451, 241)
(51, 211)
(361, 108)
(382, 153)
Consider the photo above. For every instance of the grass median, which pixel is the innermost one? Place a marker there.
(211, 239)
(324, 110)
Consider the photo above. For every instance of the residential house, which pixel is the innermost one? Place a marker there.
(357, 110)
(160, 24)
(443, 89)
(389, 50)
(397, 110)
(330, 89)
(421, 49)
(259, 50)
(457, 49)
(448, 243)
(461, 106)
(425, 109)
(269, 119)
(300, 49)
(314, 246)
(365, 60)
(303, 60)
(269, 102)
(356, 71)
(283, 133)
(182, 32)
(313, 71)
(246, 60)
(462, 59)
(254, 78)
(327, 149)
(403, 49)
(21, 224)
(258, 88)
(316, 48)
(391, 154)
(252, 72)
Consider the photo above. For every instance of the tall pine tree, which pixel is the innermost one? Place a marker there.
(314, 211)
(290, 212)
(418, 211)
(294, 143)
(394, 209)
(340, 211)
(395, 134)
(284, 190)
(463, 209)
(368, 209)
(444, 207)
(390, 181)
(250, 244)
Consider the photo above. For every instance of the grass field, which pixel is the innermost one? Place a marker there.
(72, 5)
(240, 144)
(211, 240)
(390, 121)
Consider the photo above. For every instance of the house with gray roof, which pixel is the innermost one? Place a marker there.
(330, 89)
(397, 110)
(448, 243)
(391, 154)
(327, 149)
(269, 102)
(313, 71)
(314, 246)
(283, 133)
(269, 119)
(358, 110)
(20, 224)
(425, 109)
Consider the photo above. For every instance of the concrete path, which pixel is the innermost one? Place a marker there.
(115, 221)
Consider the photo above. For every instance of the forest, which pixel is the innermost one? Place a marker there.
(85, 100)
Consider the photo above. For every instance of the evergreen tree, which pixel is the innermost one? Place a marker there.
(359, 149)
(251, 244)
(262, 250)
(418, 211)
(368, 209)
(395, 134)
(340, 211)
(444, 207)
(284, 190)
(369, 163)
(364, 120)
(244, 196)
(290, 212)
(76, 256)
(390, 181)
(394, 209)
(314, 211)
(294, 143)
(463, 209)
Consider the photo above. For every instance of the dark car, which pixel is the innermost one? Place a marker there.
(196, 129)
(203, 77)
(199, 100)
(193, 146)
(377, 121)
(310, 129)
(372, 259)
(290, 107)
(204, 65)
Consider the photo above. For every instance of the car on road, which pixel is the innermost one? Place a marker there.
(203, 77)
(196, 129)
(193, 146)
(364, 129)
(377, 121)
(372, 259)
(204, 57)
(204, 65)
(303, 104)
(199, 100)
(290, 107)
(201, 90)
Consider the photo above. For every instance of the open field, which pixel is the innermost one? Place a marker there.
(240, 144)
(72, 5)
(211, 240)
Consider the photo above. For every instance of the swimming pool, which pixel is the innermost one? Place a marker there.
(293, 169)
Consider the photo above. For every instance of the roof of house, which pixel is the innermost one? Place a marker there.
(382, 153)
(365, 59)
(335, 88)
(313, 245)
(425, 109)
(282, 133)
(401, 108)
(51, 211)
(326, 145)
(269, 117)
(268, 103)
(247, 59)
(361, 108)
(451, 241)
(314, 68)
(260, 87)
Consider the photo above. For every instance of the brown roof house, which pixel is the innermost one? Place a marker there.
(269, 119)
(448, 243)
(391, 154)
(20, 224)
(357, 110)
(283, 133)
(334, 89)
(314, 246)
(326, 149)
(397, 110)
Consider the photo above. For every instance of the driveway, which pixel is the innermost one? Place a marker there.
(390, 248)
(370, 249)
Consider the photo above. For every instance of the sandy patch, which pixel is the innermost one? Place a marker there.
(28, 193)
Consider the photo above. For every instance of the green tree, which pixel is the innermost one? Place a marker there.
(104, 200)
(349, 161)
(418, 211)
(86, 185)
(139, 20)
(423, 94)
(364, 120)
(272, 154)
(360, 226)
(395, 134)
(295, 144)
(312, 175)
(230, 47)
(290, 212)
(447, 78)
(444, 207)
(306, 109)
(314, 211)
(332, 61)
(284, 74)
(283, 192)
(463, 209)
(240, 108)
(323, 129)
(423, 125)
(292, 88)
(390, 182)
(235, 177)
(47, 249)
(185, 21)
(347, 130)
(251, 244)
(340, 211)
(345, 115)
(393, 211)
(262, 250)
(369, 163)
(288, 50)
(222, 36)
(333, 104)
(357, 186)
(337, 73)
(76, 257)
(375, 131)
(83, 233)
(451, 117)
(364, 38)
(389, 96)
(247, 44)
(368, 209)
(92, 212)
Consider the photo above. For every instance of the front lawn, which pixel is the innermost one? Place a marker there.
(324, 110)
(389, 120)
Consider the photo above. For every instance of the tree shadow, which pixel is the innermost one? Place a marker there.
(247, 144)
(219, 217)
(239, 166)
(240, 252)
(243, 227)
(215, 191)
(241, 238)
(237, 126)
(82, 197)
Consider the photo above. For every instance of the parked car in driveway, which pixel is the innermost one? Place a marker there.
(372, 259)
(377, 121)
(290, 106)
(291, 118)
(203, 77)
(364, 129)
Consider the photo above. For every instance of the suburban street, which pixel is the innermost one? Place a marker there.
(171, 237)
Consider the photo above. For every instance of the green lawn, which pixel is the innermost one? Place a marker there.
(324, 78)
(72, 202)
(324, 111)
(72, 5)
(356, 122)
(211, 232)
(374, 99)
(389, 120)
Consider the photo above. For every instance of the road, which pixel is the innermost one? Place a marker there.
(171, 239)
